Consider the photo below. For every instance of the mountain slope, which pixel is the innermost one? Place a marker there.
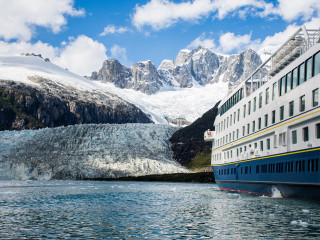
(188, 145)
(35, 93)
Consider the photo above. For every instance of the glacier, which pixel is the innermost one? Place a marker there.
(87, 151)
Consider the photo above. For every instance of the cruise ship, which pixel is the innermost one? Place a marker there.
(266, 137)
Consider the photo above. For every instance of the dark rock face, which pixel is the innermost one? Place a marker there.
(26, 107)
(187, 142)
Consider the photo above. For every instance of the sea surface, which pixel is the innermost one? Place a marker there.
(142, 210)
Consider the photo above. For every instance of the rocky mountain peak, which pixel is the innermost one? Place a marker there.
(199, 66)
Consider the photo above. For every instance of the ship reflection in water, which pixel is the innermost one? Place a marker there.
(136, 210)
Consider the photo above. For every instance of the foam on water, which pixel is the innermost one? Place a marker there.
(276, 193)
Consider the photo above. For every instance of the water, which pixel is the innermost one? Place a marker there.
(136, 210)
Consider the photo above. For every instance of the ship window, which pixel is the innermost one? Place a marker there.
(273, 116)
(249, 108)
(275, 141)
(308, 73)
(318, 130)
(237, 133)
(260, 100)
(291, 108)
(294, 78)
(302, 103)
(238, 114)
(226, 138)
(237, 152)
(245, 148)
(240, 149)
(257, 168)
(282, 85)
(315, 97)
(230, 137)
(294, 137)
(301, 74)
(255, 104)
(253, 126)
(248, 128)
(246, 170)
(266, 120)
(230, 119)
(259, 123)
(305, 134)
(316, 64)
(244, 111)
(261, 145)
(227, 122)
(228, 155)
(267, 95)
(255, 145)
(274, 87)
(233, 135)
(234, 117)
(288, 82)
(223, 140)
(281, 113)
(243, 130)
(268, 144)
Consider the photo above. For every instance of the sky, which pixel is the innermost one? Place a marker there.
(80, 34)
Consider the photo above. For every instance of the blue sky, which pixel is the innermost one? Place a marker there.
(80, 34)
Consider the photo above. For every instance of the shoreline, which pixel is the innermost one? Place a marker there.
(198, 177)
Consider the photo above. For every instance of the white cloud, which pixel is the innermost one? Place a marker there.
(291, 10)
(120, 53)
(161, 14)
(230, 42)
(202, 41)
(111, 29)
(18, 18)
(82, 56)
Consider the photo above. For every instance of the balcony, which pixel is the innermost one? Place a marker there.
(209, 135)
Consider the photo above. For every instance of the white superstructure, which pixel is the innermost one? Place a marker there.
(276, 110)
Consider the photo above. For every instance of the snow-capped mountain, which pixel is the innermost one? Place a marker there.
(199, 66)
(35, 93)
(87, 151)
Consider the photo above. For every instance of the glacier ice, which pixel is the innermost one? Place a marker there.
(87, 151)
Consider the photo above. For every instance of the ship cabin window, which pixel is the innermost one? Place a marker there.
(223, 140)
(318, 130)
(268, 144)
(308, 73)
(227, 122)
(238, 114)
(234, 117)
(233, 135)
(315, 97)
(240, 149)
(249, 108)
(257, 168)
(282, 86)
(245, 148)
(294, 136)
(237, 133)
(275, 141)
(230, 119)
(288, 82)
(267, 96)
(259, 123)
(305, 134)
(228, 155)
(255, 145)
(243, 131)
(244, 110)
(291, 108)
(266, 120)
(301, 74)
(253, 126)
(273, 116)
(316, 64)
(224, 124)
(237, 152)
(282, 139)
(230, 137)
(281, 113)
(231, 154)
(255, 104)
(248, 128)
(294, 78)
(261, 145)
(302, 103)
(274, 87)
(260, 100)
